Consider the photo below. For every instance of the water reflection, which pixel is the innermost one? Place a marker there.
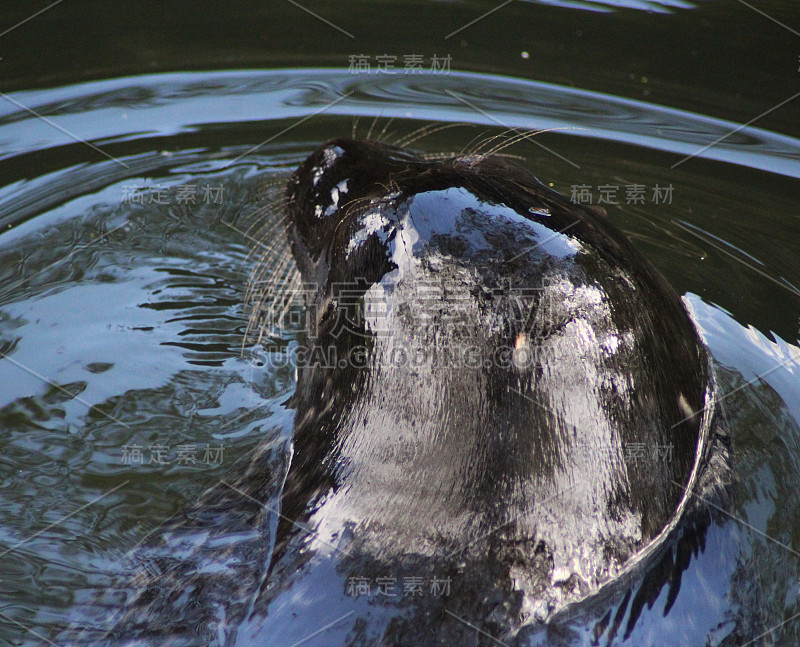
(608, 6)
(110, 113)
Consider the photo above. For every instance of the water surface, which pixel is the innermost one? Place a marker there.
(126, 388)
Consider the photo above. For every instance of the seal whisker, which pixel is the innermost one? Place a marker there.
(265, 185)
(264, 253)
(526, 135)
(270, 230)
(432, 157)
(262, 228)
(504, 135)
(349, 208)
(478, 137)
(267, 219)
(290, 295)
(282, 279)
(266, 230)
(266, 290)
(271, 208)
(258, 290)
(383, 130)
(510, 141)
(372, 126)
(425, 131)
(284, 261)
(416, 131)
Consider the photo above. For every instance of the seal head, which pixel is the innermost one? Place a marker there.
(490, 369)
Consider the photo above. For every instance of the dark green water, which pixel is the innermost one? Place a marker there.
(122, 281)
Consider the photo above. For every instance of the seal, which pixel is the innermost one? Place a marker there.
(498, 395)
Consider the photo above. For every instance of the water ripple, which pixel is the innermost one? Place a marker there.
(118, 110)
